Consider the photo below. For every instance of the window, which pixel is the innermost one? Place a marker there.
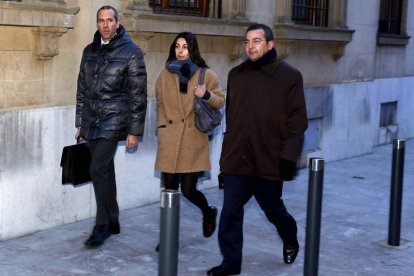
(390, 17)
(312, 135)
(388, 115)
(182, 7)
(389, 128)
(310, 12)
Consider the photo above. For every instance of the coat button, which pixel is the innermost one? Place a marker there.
(170, 122)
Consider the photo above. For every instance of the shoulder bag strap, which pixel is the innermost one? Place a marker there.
(201, 75)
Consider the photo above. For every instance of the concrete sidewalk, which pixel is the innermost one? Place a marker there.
(353, 234)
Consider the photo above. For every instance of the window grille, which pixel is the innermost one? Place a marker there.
(390, 17)
(310, 12)
(181, 7)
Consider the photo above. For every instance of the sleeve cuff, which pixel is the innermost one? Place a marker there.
(206, 96)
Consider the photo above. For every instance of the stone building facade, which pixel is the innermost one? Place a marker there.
(358, 77)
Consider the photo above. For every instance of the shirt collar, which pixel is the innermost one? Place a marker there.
(103, 42)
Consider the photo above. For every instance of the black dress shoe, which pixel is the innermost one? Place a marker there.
(114, 227)
(99, 234)
(209, 222)
(290, 252)
(221, 270)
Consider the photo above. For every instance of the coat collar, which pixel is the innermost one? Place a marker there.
(267, 63)
(120, 38)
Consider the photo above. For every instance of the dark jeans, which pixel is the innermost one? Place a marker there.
(102, 171)
(237, 190)
(189, 190)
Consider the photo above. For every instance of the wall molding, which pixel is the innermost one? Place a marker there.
(49, 20)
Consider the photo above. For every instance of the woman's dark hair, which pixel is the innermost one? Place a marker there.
(267, 30)
(116, 16)
(193, 50)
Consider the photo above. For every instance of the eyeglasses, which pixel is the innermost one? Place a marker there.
(255, 41)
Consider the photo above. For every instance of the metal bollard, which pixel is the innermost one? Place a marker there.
(169, 229)
(313, 219)
(397, 173)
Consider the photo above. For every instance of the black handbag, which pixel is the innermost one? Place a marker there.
(206, 117)
(75, 163)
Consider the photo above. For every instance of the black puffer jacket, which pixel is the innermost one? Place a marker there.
(111, 98)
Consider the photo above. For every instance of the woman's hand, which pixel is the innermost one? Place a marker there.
(200, 90)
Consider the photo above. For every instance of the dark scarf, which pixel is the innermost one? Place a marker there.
(265, 59)
(185, 69)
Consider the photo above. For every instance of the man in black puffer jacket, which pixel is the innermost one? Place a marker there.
(111, 102)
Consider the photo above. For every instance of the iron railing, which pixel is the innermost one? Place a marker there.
(181, 7)
(390, 17)
(310, 12)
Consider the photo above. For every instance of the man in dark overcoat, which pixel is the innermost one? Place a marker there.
(266, 119)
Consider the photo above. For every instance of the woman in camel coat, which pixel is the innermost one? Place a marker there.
(183, 151)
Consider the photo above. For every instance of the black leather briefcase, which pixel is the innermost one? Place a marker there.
(75, 163)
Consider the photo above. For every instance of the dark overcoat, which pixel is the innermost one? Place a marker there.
(265, 118)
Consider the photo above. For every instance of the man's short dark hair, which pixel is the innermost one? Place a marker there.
(267, 30)
(108, 8)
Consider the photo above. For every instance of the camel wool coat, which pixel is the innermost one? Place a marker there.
(182, 148)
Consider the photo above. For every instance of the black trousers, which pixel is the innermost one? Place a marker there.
(189, 190)
(237, 191)
(102, 171)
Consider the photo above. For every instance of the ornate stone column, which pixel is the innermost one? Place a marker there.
(286, 11)
(139, 5)
(47, 41)
(239, 9)
(57, 1)
(48, 19)
(142, 39)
